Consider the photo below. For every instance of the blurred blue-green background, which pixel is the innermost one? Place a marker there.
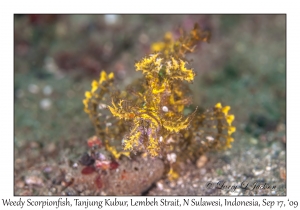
(57, 56)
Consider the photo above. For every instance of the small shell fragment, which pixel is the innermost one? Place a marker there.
(210, 138)
(172, 157)
(161, 139)
(201, 161)
(102, 106)
(165, 109)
